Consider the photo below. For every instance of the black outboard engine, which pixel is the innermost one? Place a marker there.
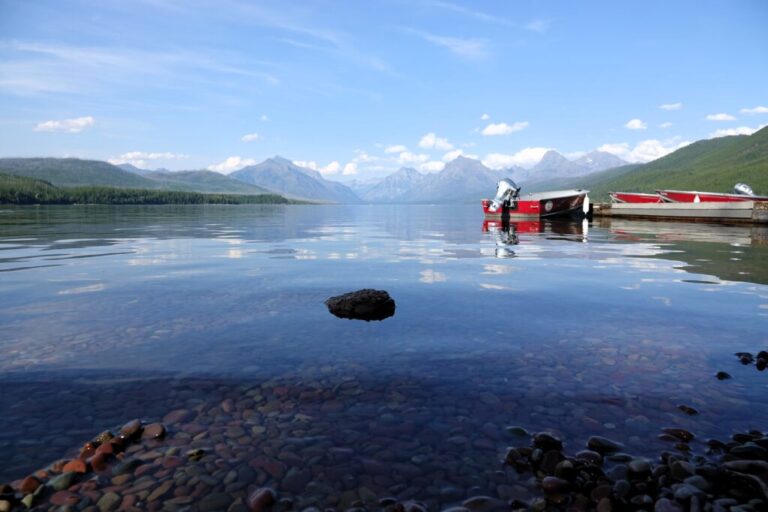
(743, 189)
(506, 195)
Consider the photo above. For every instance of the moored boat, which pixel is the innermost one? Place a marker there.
(509, 203)
(741, 192)
(693, 196)
(635, 197)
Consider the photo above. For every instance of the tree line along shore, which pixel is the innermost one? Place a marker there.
(28, 191)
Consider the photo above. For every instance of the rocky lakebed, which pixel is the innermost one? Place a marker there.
(331, 439)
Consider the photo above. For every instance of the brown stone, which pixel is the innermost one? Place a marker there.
(98, 462)
(106, 448)
(261, 499)
(153, 431)
(178, 416)
(172, 461)
(86, 451)
(64, 498)
(131, 429)
(76, 466)
(29, 484)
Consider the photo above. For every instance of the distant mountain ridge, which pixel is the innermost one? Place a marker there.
(712, 164)
(74, 172)
(282, 176)
(465, 178)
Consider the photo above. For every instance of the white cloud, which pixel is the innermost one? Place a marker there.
(537, 26)
(75, 125)
(265, 118)
(432, 166)
(474, 49)
(527, 157)
(432, 141)
(453, 155)
(406, 157)
(619, 149)
(665, 125)
(644, 151)
(573, 155)
(249, 137)
(330, 169)
(635, 124)
(671, 106)
(231, 164)
(741, 130)
(350, 169)
(504, 128)
(362, 156)
(755, 110)
(485, 117)
(140, 158)
(720, 117)
(307, 164)
(396, 148)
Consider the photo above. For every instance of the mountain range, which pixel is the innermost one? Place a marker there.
(282, 176)
(712, 164)
(73, 172)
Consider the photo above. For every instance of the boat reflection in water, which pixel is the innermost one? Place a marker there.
(507, 233)
(730, 253)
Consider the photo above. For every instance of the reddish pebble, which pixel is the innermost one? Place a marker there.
(64, 498)
(130, 429)
(128, 501)
(76, 465)
(178, 416)
(57, 466)
(172, 462)
(106, 448)
(87, 450)
(29, 484)
(260, 499)
(153, 431)
(99, 462)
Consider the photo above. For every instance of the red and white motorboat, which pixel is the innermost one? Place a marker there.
(635, 197)
(509, 203)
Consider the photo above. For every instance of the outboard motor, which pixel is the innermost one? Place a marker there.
(506, 194)
(743, 189)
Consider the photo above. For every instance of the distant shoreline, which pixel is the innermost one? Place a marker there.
(21, 191)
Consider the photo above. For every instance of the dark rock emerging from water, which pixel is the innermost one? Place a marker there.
(364, 304)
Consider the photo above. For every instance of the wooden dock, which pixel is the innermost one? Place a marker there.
(755, 212)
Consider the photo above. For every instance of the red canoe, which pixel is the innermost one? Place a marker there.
(692, 196)
(635, 197)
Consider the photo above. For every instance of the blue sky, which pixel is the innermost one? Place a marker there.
(359, 89)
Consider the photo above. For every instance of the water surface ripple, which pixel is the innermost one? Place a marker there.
(599, 328)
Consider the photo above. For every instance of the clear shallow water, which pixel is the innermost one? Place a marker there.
(113, 312)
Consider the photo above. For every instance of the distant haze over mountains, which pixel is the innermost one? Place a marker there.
(462, 179)
(466, 178)
(715, 164)
(286, 178)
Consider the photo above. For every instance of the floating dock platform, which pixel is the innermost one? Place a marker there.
(755, 212)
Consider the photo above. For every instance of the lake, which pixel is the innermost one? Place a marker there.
(212, 319)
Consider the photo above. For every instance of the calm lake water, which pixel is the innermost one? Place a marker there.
(110, 313)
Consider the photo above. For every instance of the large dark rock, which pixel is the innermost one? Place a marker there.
(364, 304)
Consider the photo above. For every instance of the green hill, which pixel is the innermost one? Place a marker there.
(73, 172)
(30, 191)
(203, 181)
(714, 165)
